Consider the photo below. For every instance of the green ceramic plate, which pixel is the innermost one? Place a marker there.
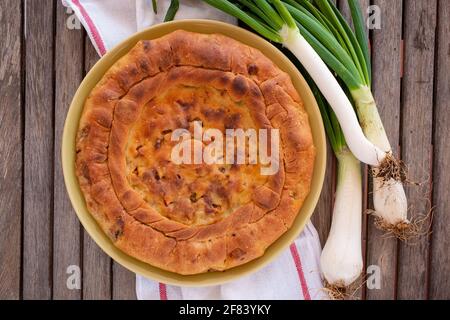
(71, 127)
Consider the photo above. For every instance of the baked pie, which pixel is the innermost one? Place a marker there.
(199, 217)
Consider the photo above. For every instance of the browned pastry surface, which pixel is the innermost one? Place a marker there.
(194, 218)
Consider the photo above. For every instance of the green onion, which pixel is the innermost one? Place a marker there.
(314, 33)
(172, 11)
(264, 29)
(334, 16)
(260, 14)
(289, 35)
(155, 6)
(320, 38)
(341, 261)
(361, 36)
(389, 197)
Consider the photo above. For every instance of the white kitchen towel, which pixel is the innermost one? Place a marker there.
(295, 274)
(108, 22)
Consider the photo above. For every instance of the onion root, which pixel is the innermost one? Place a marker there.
(340, 292)
(405, 231)
(391, 168)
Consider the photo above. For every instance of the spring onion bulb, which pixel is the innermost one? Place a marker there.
(389, 198)
(341, 261)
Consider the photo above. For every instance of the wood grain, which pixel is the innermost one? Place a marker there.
(96, 271)
(38, 77)
(69, 56)
(124, 283)
(440, 255)
(324, 210)
(38, 157)
(97, 282)
(11, 142)
(386, 86)
(417, 112)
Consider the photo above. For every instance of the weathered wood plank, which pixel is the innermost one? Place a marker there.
(11, 149)
(124, 283)
(360, 293)
(324, 210)
(69, 57)
(417, 111)
(386, 60)
(96, 264)
(38, 152)
(96, 271)
(440, 256)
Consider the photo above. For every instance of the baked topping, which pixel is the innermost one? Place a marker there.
(197, 216)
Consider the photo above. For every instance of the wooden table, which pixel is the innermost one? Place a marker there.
(42, 64)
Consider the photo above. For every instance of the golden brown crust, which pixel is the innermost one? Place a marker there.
(196, 218)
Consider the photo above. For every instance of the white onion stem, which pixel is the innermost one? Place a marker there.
(360, 146)
(390, 203)
(370, 118)
(341, 261)
(389, 197)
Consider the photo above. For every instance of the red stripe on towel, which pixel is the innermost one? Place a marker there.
(92, 28)
(162, 291)
(301, 275)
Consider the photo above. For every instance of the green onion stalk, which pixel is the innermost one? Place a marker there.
(347, 53)
(171, 11)
(320, 38)
(272, 20)
(341, 261)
